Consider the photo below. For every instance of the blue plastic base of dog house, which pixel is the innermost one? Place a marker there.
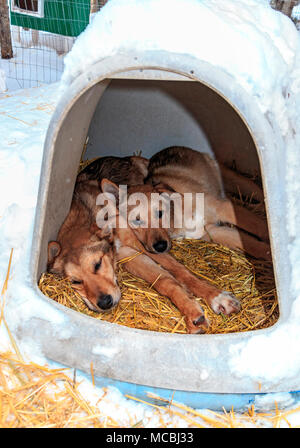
(195, 400)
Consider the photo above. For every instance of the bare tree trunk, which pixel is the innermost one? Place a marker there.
(285, 6)
(5, 36)
(102, 3)
(94, 6)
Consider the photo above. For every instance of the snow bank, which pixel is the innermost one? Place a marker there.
(246, 38)
(25, 116)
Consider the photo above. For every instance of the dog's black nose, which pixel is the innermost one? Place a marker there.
(105, 301)
(160, 246)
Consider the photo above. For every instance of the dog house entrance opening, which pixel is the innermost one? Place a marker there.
(142, 117)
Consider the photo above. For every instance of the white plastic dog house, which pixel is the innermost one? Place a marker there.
(148, 100)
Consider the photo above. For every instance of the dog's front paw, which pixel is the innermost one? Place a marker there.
(225, 303)
(196, 321)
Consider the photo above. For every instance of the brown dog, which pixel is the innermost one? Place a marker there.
(130, 170)
(86, 255)
(83, 252)
(185, 170)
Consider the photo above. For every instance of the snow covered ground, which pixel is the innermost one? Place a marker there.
(24, 115)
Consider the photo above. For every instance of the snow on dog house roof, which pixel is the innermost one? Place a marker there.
(247, 56)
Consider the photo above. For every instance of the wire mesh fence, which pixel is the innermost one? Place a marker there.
(43, 32)
(38, 58)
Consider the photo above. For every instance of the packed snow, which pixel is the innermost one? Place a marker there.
(265, 62)
(247, 39)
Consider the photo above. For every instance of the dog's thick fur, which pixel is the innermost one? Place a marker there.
(130, 170)
(185, 170)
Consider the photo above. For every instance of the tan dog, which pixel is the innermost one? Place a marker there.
(168, 276)
(130, 171)
(157, 239)
(184, 170)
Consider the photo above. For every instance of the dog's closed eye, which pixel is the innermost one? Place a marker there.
(97, 266)
(76, 282)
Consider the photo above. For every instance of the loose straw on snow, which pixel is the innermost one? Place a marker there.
(35, 396)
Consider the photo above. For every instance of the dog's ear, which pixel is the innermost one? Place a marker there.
(109, 187)
(54, 266)
(105, 233)
(54, 249)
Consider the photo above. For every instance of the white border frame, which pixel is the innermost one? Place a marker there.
(39, 13)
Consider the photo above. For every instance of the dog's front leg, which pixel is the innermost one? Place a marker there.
(218, 300)
(164, 283)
